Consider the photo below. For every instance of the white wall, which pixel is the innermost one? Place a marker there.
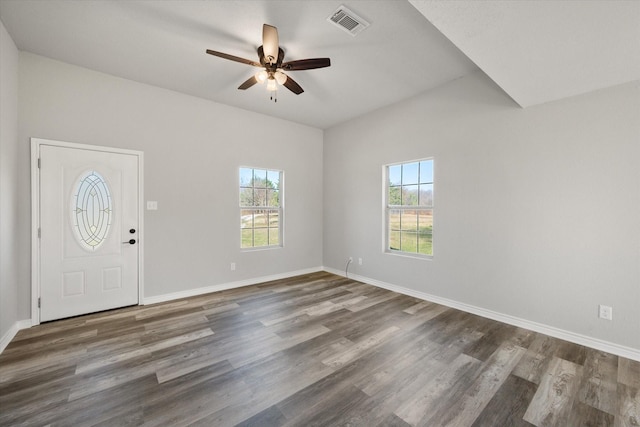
(537, 210)
(8, 183)
(192, 150)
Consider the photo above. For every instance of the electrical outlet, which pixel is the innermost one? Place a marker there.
(233, 266)
(359, 261)
(605, 312)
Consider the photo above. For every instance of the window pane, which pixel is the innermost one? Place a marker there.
(273, 198)
(425, 221)
(259, 197)
(395, 196)
(246, 238)
(395, 175)
(409, 242)
(246, 219)
(274, 236)
(260, 219)
(246, 177)
(259, 178)
(426, 195)
(260, 237)
(274, 218)
(426, 171)
(273, 179)
(425, 244)
(246, 196)
(425, 230)
(394, 220)
(409, 221)
(410, 195)
(394, 240)
(410, 173)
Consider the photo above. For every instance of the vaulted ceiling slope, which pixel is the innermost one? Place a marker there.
(541, 51)
(163, 43)
(536, 51)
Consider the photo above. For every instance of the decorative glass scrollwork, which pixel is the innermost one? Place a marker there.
(91, 210)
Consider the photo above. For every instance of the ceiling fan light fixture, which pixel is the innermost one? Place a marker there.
(271, 84)
(280, 77)
(262, 76)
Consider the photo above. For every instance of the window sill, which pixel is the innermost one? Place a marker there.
(260, 248)
(409, 255)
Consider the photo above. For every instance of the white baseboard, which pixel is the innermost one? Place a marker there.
(224, 286)
(11, 333)
(609, 347)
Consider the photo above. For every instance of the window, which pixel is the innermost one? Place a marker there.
(409, 208)
(260, 208)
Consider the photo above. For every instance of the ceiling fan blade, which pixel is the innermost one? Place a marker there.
(261, 56)
(233, 58)
(280, 57)
(293, 86)
(250, 82)
(270, 43)
(306, 64)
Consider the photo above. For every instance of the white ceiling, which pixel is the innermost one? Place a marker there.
(536, 51)
(540, 51)
(163, 43)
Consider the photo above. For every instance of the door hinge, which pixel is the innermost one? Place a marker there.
(38, 162)
(39, 232)
(38, 302)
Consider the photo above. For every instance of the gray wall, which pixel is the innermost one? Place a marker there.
(8, 182)
(537, 210)
(192, 150)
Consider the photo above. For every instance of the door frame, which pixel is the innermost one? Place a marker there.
(36, 143)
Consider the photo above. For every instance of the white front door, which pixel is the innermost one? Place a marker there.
(89, 231)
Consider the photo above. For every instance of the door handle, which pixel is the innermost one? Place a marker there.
(130, 242)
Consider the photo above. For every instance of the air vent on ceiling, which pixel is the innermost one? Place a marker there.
(348, 21)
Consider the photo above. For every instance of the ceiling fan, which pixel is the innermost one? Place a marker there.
(271, 56)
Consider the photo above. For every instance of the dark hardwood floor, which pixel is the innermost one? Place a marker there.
(311, 350)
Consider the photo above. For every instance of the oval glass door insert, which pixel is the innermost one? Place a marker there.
(91, 210)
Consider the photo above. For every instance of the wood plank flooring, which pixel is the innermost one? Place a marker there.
(313, 350)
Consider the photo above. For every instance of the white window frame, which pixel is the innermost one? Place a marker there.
(387, 208)
(279, 208)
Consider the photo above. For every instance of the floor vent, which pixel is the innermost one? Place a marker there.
(348, 21)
